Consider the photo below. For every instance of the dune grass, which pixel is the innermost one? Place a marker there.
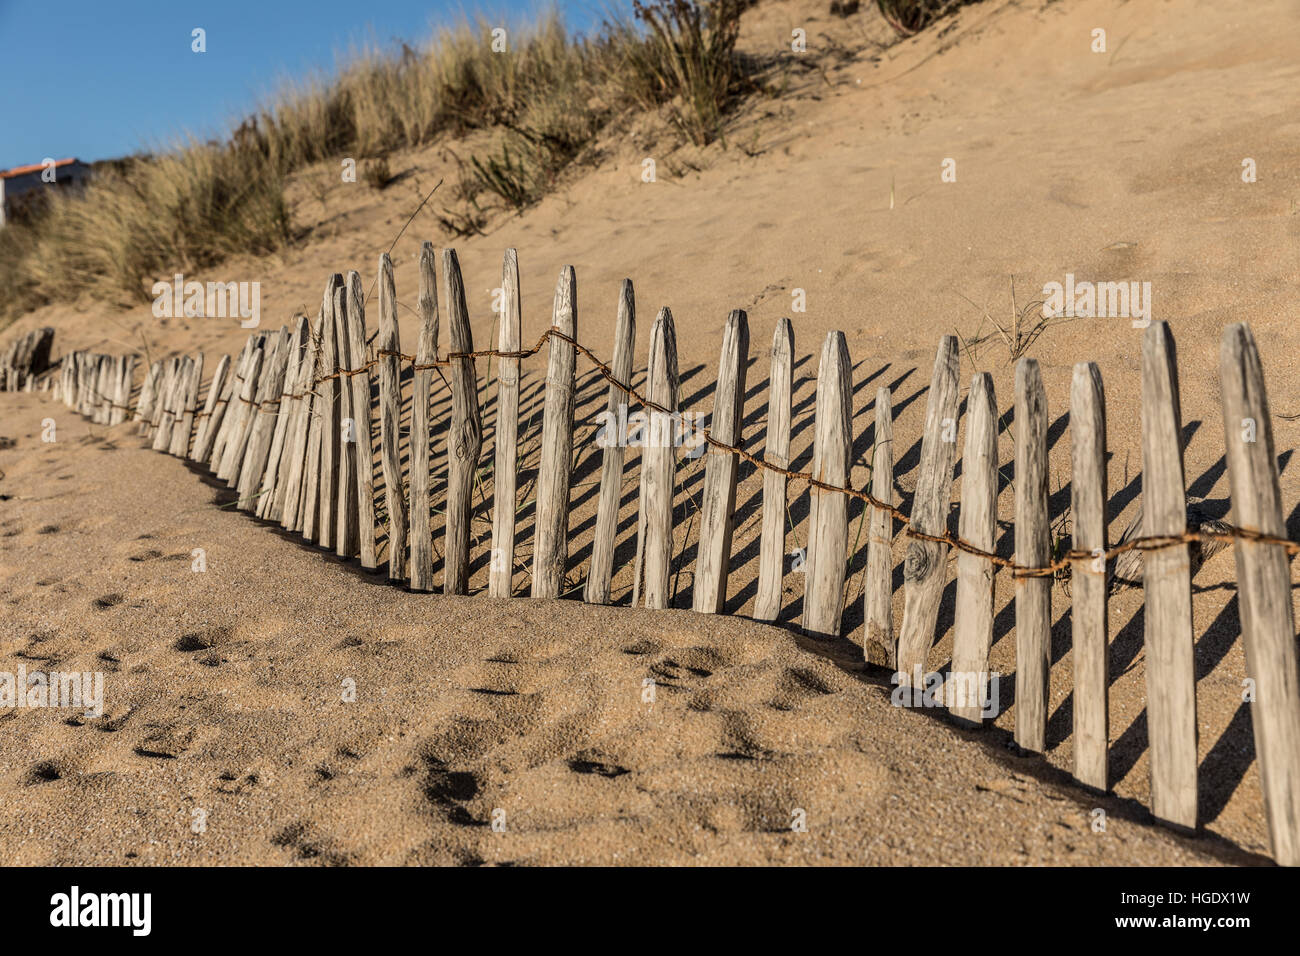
(549, 93)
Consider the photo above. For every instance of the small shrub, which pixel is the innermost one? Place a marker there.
(377, 174)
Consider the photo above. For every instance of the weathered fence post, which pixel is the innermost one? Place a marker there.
(426, 353)
(360, 501)
(878, 588)
(262, 425)
(973, 624)
(601, 570)
(184, 425)
(1264, 588)
(828, 513)
(465, 439)
(346, 538)
(213, 409)
(1167, 581)
(239, 414)
(272, 496)
(308, 518)
(388, 350)
(717, 511)
(551, 540)
(776, 452)
(506, 438)
(658, 467)
(290, 509)
(330, 390)
(166, 407)
(924, 569)
(1088, 619)
(1033, 549)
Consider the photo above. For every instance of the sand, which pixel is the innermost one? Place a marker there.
(223, 687)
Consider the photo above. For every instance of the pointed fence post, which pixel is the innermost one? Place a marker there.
(289, 499)
(1264, 588)
(262, 427)
(927, 561)
(1167, 582)
(1033, 549)
(506, 438)
(346, 538)
(601, 571)
(421, 439)
(390, 398)
(327, 516)
(388, 350)
(973, 626)
(828, 513)
(1088, 620)
(307, 519)
(204, 419)
(878, 588)
(188, 406)
(465, 439)
(551, 544)
(272, 497)
(776, 452)
(658, 467)
(717, 513)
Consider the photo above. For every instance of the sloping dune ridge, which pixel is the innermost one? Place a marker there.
(226, 736)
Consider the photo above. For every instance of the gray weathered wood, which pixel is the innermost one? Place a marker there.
(295, 467)
(1167, 582)
(828, 511)
(363, 448)
(1033, 549)
(506, 438)
(1264, 588)
(166, 406)
(241, 410)
(329, 390)
(926, 565)
(421, 439)
(272, 493)
(144, 406)
(308, 516)
(1089, 627)
(776, 452)
(203, 420)
(465, 437)
(658, 468)
(551, 535)
(390, 415)
(601, 571)
(352, 444)
(262, 427)
(229, 421)
(973, 625)
(718, 504)
(879, 642)
(183, 427)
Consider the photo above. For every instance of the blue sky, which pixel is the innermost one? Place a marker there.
(97, 79)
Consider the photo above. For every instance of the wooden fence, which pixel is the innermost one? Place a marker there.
(288, 425)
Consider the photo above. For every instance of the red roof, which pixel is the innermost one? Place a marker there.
(33, 168)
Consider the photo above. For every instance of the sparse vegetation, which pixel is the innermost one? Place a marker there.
(544, 99)
(377, 174)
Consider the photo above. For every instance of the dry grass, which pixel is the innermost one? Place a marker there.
(548, 94)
